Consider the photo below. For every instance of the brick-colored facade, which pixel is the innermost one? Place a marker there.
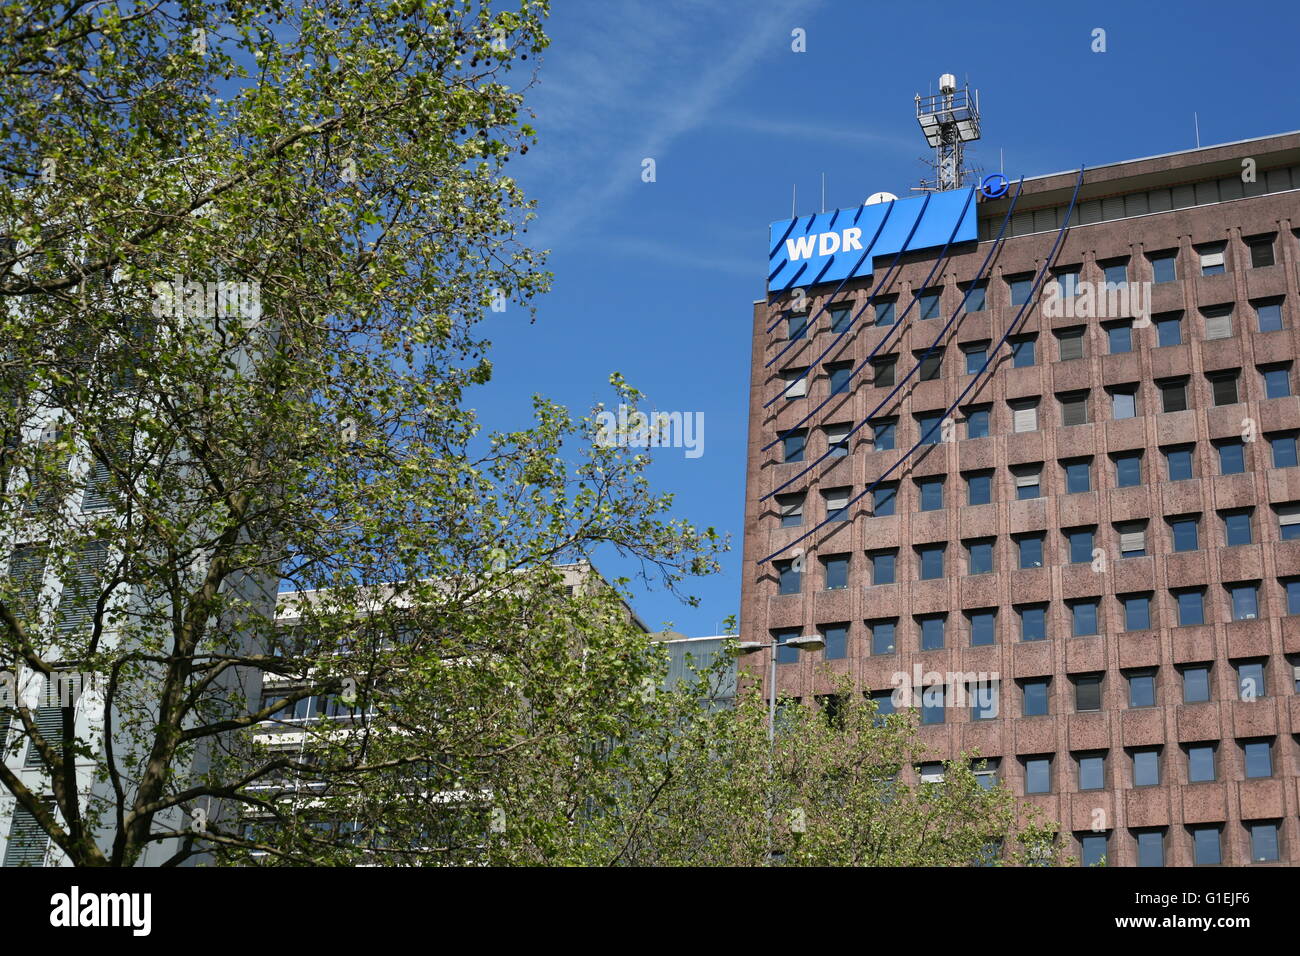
(1114, 223)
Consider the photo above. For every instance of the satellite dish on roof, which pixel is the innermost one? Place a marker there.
(880, 197)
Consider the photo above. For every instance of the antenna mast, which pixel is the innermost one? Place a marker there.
(949, 121)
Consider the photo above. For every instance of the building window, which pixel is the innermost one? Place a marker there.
(882, 636)
(1115, 271)
(1205, 846)
(1074, 408)
(1142, 688)
(930, 772)
(1036, 695)
(840, 318)
(1251, 683)
(976, 355)
(1146, 767)
(1223, 387)
(836, 571)
(1292, 588)
(1024, 415)
(1245, 601)
(883, 434)
(1067, 280)
(885, 312)
(975, 297)
(797, 325)
(1269, 315)
(785, 654)
(1023, 351)
(1128, 469)
(1179, 462)
(931, 561)
(1184, 532)
(882, 566)
(1232, 457)
(983, 627)
(1200, 763)
(979, 488)
(931, 493)
(928, 303)
(796, 382)
(791, 509)
(1163, 266)
(1083, 615)
(1263, 842)
(1124, 402)
(1092, 771)
(1212, 261)
(837, 440)
(1031, 550)
(882, 371)
(977, 422)
(1261, 251)
(792, 443)
(1259, 758)
(930, 427)
(1218, 322)
(1191, 606)
(1288, 519)
(1070, 343)
(1132, 539)
(1284, 450)
(984, 706)
(933, 704)
(1028, 481)
(986, 772)
(836, 637)
(1277, 381)
(791, 580)
(979, 557)
(1020, 288)
(1033, 622)
(884, 500)
(1038, 774)
(1173, 394)
(1150, 847)
(884, 701)
(1078, 476)
(1094, 849)
(1196, 683)
(1087, 693)
(932, 631)
(1137, 611)
(1169, 330)
(837, 504)
(931, 364)
(1119, 338)
(840, 374)
(1081, 544)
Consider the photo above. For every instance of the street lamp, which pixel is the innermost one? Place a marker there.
(744, 649)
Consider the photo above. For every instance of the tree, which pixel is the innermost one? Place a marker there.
(831, 791)
(247, 249)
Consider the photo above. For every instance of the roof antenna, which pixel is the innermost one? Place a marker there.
(794, 192)
(1197, 121)
(823, 192)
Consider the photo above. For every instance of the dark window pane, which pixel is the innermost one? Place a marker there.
(1128, 470)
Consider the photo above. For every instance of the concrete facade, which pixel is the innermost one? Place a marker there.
(1127, 213)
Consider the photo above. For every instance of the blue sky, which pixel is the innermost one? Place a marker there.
(656, 280)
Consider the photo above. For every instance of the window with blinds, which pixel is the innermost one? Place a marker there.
(1028, 482)
(27, 840)
(1024, 416)
(931, 365)
(1212, 261)
(790, 507)
(99, 491)
(1173, 394)
(1223, 387)
(49, 472)
(796, 382)
(1218, 323)
(882, 371)
(80, 593)
(49, 724)
(1074, 408)
(1288, 519)
(26, 574)
(1070, 343)
(837, 440)
(837, 503)
(1132, 538)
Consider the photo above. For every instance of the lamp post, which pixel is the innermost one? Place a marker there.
(744, 649)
